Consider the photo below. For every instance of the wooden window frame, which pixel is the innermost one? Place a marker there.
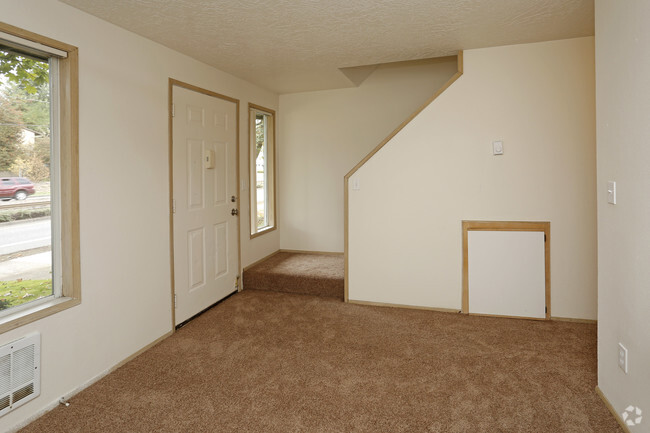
(272, 202)
(68, 124)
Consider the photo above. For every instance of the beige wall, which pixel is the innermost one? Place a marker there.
(124, 231)
(623, 101)
(405, 221)
(324, 134)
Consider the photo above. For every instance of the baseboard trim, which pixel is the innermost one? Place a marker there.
(139, 352)
(499, 316)
(569, 319)
(451, 310)
(260, 261)
(408, 307)
(322, 253)
(612, 410)
(86, 384)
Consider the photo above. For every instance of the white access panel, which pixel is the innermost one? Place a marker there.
(506, 273)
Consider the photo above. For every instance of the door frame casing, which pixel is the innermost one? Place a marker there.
(173, 82)
(523, 226)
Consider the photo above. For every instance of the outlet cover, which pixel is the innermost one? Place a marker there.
(497, 147)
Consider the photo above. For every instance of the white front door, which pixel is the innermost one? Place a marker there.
(206, 248)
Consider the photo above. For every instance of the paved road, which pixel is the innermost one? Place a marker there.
(24, 235)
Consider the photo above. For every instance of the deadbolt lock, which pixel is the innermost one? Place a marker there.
(233, 199)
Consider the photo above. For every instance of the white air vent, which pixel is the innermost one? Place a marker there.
(20, 376)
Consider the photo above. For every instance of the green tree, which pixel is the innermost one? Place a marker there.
(42, 149)
(29, 73)
(259, 134)
(31, 166)
(24, 103)
(10, 134)
(34, 108)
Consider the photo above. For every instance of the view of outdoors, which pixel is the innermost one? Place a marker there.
(25, 226)
(260, 168)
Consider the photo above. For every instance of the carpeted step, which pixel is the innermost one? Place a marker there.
(310, 274)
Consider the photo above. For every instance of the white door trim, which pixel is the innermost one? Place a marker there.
(177, 83)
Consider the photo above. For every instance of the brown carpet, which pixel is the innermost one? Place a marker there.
(277, 362)
(310, 274)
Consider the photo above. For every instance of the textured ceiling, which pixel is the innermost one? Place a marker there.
(298, 45)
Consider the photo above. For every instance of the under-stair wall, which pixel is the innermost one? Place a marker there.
(325, 133)
(406, 203)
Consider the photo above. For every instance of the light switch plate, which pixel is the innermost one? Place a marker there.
(497, 147)
(611, 192)
(622, 357)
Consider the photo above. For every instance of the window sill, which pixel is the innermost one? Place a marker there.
(36, 312)
(263, 231)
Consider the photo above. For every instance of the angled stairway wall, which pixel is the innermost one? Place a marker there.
(405, 204)
(323, 134)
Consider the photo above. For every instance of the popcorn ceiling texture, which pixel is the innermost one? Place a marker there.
(290, 46)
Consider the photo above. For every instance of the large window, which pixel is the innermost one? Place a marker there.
(39, 217)
(262, 169)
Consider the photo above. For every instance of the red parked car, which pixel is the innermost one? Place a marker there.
(15, 187)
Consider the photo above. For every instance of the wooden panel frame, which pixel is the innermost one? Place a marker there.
(173, 82)
(69, 180)
(510, 226)
(319, 253)
(346, 179)
(273, 197)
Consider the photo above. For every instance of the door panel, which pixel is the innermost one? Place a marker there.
(221, 241)
(196, 259)
(205, 231)
(221, 173)
(194, 174)
(506, 273)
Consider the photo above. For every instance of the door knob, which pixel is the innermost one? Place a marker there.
(234, 212)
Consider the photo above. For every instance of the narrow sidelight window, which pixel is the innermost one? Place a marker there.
(262, 169)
